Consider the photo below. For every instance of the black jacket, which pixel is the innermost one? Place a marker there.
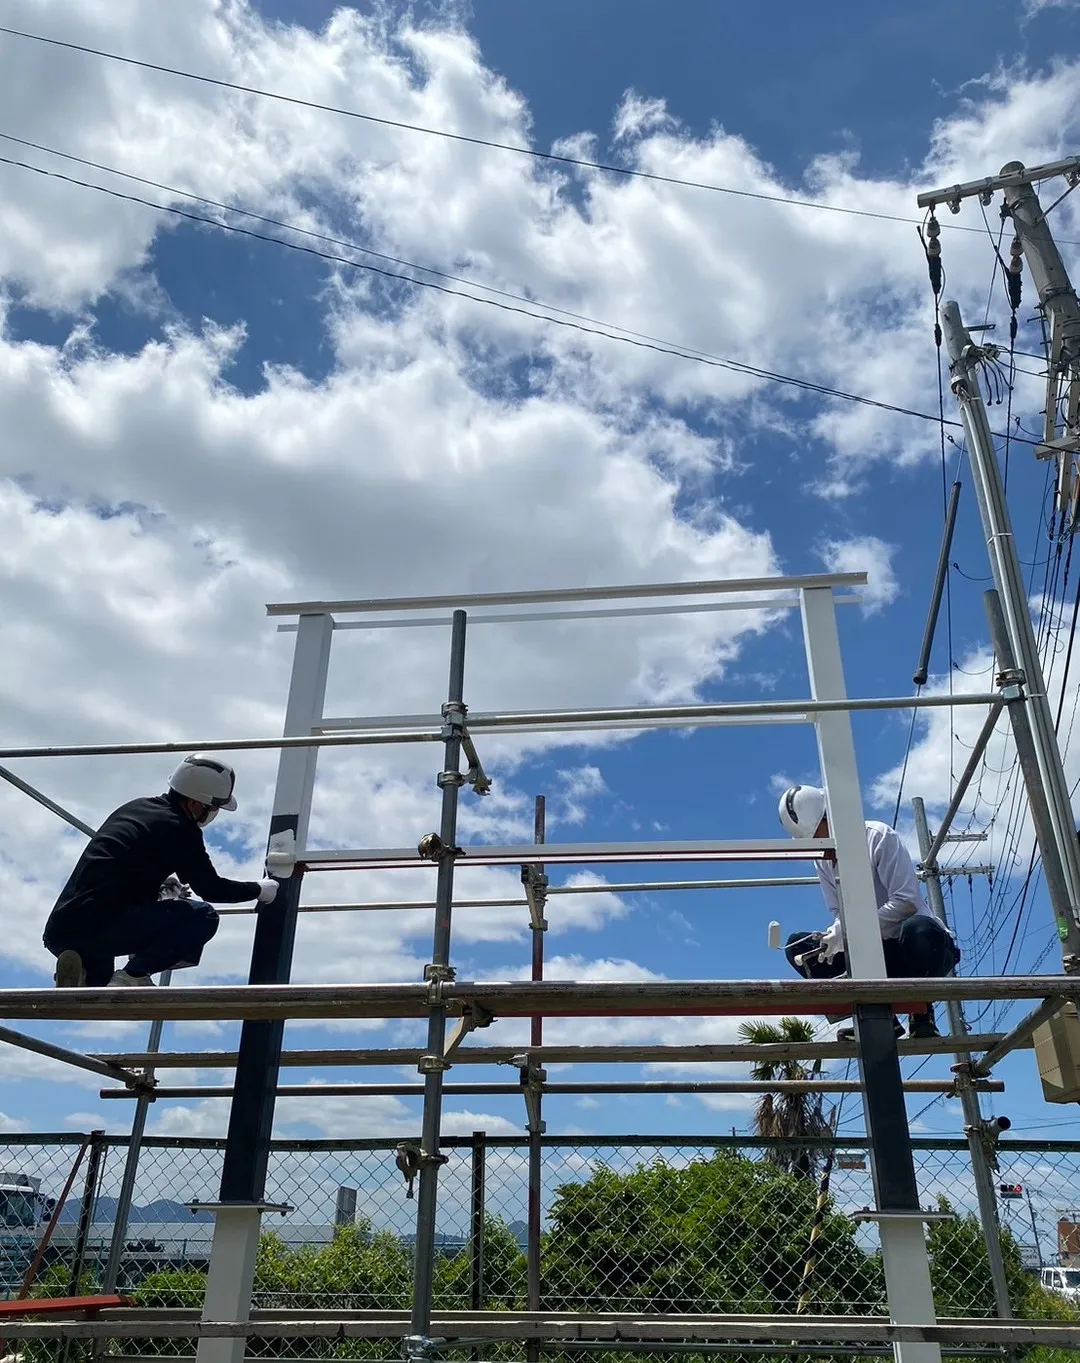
(131, 855)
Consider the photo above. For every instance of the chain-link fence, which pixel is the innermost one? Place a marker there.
(715, 1225)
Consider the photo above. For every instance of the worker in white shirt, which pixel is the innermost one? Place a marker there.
(916, 944)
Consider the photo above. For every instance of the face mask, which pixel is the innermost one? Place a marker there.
(208, 817)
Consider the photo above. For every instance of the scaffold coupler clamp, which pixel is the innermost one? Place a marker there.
(533, 1079)
(435, 976)
(987, 1133)
(143, 1086)
(536, 888)
(1011, 684)
(453, 714)
(420, 1348)
(411, 1158)
(432, 848)
(473, 1016)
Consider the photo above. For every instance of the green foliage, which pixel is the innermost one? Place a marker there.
(505, 1273)
(960, 1268)
(727, 1234)
(787, 1116)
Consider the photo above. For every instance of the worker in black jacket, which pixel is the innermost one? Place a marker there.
(111, 907)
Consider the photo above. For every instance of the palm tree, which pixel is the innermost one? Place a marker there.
(787, 1116)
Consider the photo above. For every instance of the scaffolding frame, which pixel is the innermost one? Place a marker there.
(268, 998)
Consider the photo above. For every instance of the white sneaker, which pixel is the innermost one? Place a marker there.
(122, 979)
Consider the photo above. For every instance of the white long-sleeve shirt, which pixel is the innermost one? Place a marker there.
(896, 888)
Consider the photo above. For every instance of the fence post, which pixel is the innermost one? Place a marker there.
(86, 1210)
(476, 1228)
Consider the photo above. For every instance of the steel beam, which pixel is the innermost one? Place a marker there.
(776, 603)
(238, 1218)
(639, 592)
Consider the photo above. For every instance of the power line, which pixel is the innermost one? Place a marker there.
(337, 241)
(686, 353)
(580, 162)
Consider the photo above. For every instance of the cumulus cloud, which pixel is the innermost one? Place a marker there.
(151, 502)
(865, 554)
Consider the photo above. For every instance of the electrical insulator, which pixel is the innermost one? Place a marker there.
(933, 253)
(1013, 280)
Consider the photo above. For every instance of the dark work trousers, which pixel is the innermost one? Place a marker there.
(158, 936)
(923, 950)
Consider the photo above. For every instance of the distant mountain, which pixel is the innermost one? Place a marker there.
(162, 1211)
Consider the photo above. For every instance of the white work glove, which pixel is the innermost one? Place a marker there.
(832, 941)
(267, 891)
(174, 888)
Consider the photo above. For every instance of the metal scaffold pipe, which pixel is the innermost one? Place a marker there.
(965, 358)
(553, 998)
(556, 1055)
(969, 1099)
(439, 974)
(506, 1090)
(966, 777)
(1042, 819)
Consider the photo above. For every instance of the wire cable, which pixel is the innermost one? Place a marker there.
(553, 157)
(682, 353)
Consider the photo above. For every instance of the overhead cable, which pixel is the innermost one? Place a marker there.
(580, 162)
(682, 353)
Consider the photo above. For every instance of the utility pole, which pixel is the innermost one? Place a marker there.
(1060, 306)
(1034, 1227)
(1061, 847)
(978, 1133)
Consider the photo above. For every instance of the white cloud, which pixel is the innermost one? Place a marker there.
(579, 786)
(148, 507)
(637, 115)
(865, 554)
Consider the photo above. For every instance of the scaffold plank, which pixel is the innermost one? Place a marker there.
(668, 998)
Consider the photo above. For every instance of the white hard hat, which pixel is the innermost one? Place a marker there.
(802, 808)
(203, 778)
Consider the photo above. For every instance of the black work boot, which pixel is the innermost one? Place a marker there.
(923, 1026)
(69, 970)
(848, 1033)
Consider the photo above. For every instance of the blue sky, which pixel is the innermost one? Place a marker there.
(202, 423)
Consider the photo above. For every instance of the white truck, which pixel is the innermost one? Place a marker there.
(1064, 1281)
(22, 1210)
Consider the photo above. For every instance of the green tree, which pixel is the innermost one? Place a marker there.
(505, 1273)
(726, 1234)
(786, 1116)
